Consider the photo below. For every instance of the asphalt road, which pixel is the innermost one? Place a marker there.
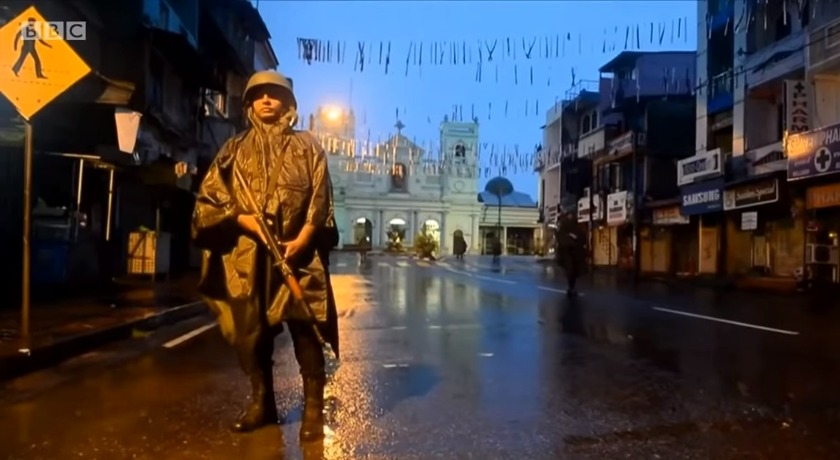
(459, 360)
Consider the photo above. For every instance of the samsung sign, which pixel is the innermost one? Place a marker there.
(702, 198)
(703, 164)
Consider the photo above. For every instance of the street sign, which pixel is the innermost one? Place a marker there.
(35, 68)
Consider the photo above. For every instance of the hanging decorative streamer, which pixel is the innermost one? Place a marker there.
(533, 48)
(381, 158)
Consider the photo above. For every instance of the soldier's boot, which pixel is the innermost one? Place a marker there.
(312, 427)
(262, 409)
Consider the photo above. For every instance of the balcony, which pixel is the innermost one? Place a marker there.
(824, 48)
(720, 92)
(592, 142)
(159, 14)
(626, 143)
(776, 60)
(766, 159)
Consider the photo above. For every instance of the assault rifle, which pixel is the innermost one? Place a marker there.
(279, 259)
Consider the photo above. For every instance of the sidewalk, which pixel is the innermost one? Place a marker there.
(66, 328)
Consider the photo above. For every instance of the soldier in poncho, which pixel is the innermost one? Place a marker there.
(286, 171)
(570, 250)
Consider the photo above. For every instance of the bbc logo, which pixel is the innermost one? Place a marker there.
(53, 30)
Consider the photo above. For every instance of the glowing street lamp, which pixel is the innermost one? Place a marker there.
(333, 113)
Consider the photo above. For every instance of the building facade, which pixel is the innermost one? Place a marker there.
(392, 190)
(609, 155)
(512, 216)
(764, 75)
(124, 148)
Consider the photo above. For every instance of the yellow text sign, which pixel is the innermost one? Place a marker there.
(35, 66)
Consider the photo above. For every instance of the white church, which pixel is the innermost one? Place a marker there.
(396, 188)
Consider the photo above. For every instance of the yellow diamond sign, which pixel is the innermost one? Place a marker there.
(36, 64)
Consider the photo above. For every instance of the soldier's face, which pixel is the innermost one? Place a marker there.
(268, 104)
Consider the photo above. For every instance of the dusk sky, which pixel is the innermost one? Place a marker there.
(430, 91)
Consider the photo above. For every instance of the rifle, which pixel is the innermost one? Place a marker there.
(279, 259)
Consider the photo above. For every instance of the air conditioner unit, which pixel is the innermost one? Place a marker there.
(822, 254)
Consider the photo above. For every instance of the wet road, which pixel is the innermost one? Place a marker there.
(465, 360)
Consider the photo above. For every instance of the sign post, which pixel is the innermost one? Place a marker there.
(39, 67)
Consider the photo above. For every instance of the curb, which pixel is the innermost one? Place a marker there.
(59, 351)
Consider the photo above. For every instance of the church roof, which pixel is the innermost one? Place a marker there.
(402, 142)
(512, 200)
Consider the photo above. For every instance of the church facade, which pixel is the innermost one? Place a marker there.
(396, 190)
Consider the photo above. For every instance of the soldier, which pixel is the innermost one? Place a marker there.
(570, 250)
(286, 171)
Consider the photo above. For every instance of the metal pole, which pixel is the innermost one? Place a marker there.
(637, 265)
(499, 224)
(79, 181)
(592, 187)
(27, 231)
(110, 205)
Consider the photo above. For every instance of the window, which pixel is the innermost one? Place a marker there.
(460, 153)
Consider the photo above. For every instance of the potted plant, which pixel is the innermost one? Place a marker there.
(425, 245)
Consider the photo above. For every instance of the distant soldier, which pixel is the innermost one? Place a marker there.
(570, 250)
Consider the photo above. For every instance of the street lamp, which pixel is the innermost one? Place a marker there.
(500, 187)
(333, 113)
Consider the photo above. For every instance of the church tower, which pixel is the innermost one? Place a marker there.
(459, 144)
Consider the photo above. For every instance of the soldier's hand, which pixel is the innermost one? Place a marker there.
(249, 223)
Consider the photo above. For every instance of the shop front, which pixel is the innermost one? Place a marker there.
(602, 238)
(703, 202)
(620, 228)
(822, 245)
(764, 236)
(814, 164)
(667, 245)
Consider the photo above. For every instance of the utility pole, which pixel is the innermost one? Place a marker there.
(637, 261)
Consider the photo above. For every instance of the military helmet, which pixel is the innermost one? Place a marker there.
(268, 77)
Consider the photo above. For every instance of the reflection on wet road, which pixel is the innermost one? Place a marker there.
(467, 360)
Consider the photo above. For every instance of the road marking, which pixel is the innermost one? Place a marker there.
(727, 321)
(341, 264)
(383, 264)
(398, 328)
(177, 341)
(559, 291)
(402, 263)
(391, 366)
(495, 280)
(486, 355)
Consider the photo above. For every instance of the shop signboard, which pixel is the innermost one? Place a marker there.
(585, 214)
(815, 153)
(702, 198)
(756, 194)
(823, 196)
(672, 215)
(617, 208)
(700, 166)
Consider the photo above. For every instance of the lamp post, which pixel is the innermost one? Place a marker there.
(499, 187)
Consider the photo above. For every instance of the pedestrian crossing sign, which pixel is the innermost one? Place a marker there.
(36, 66)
